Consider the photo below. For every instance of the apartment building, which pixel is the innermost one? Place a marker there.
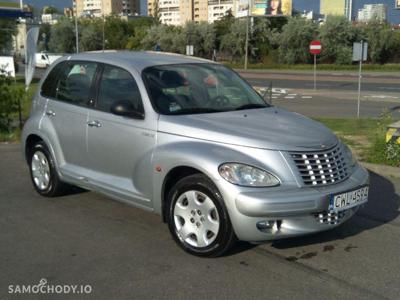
(219, 8)
(337, 7)
(99, 8)
(372, 12)
(173, 12)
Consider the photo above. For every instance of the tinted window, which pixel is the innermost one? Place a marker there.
(117, 85)
(48, 87)
(74, 82)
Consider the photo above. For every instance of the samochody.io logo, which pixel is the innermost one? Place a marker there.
(43, 287)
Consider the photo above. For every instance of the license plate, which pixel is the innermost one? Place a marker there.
(349, 199)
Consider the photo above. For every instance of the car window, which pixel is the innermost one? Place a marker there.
(198, 88)
(74, 82)
(48, 86)
(118, 85)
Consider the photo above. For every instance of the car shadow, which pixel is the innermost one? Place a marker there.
(382, 207)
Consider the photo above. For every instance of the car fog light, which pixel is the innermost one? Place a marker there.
(265, 225)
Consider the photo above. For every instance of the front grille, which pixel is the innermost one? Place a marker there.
(330, 218)
(321, 168)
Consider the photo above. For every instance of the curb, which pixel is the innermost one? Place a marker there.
(382, 170)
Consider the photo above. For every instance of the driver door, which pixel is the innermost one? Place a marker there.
(120, 148)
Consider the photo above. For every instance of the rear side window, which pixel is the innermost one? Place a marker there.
(117, 85)
(74, 82)
(48, 86)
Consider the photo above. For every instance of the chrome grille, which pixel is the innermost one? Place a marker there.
(330, 218)
(321, 168)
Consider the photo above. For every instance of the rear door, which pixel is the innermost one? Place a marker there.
(120, 148)
(67, 110)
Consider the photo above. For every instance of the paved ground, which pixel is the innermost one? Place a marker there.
(126, 253)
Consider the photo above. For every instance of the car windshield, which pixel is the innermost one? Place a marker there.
(199, 88)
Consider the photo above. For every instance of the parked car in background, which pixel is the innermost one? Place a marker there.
(190, 140)
(43, 60)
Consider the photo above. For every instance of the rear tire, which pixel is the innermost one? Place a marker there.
(43, 172)
(197, 217)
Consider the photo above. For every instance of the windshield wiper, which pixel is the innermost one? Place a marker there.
(195, 110)
(251, 106)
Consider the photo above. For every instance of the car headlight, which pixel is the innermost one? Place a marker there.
(245, 175)
(349, 155)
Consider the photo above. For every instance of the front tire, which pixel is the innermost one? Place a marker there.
(43, 172)
(197, 217)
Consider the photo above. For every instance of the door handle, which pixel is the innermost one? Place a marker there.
(94, 123)
(50, 113)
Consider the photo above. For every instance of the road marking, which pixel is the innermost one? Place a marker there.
(390, 88)
(381, 97)
(289, 97)
(292, 94)
(306, 97)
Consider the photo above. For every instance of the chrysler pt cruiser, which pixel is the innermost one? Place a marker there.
(190, 140)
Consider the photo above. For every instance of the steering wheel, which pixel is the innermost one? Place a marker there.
(218, 101)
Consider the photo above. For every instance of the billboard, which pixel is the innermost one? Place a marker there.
(242, 8)
(272, 8)
(10, 4)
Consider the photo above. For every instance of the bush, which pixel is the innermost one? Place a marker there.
(344, 56)
(10, 96)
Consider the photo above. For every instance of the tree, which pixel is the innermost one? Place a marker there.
(222, 27)
(260, 42)
(156, 11)
(169, 38)
(294, 40)
(62, 37)
(8, 29)
(44, 37)
(336, 34)
(136, 31)
(50, 10)
(91, 35)
(201, 36)
(381, 41)
(116, 32)
(234, 41)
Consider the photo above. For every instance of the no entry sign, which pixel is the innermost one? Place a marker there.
(315, 47)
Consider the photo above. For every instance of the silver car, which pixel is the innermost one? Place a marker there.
(190, 140)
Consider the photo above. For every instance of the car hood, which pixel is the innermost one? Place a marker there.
(267, 128)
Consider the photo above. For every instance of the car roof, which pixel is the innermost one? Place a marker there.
(139, 60)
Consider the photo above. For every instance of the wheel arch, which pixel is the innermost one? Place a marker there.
(30, 141)
(172, 177)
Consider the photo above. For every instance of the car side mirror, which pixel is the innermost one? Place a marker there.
(126, 109)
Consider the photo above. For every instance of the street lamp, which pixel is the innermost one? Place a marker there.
(76, 25)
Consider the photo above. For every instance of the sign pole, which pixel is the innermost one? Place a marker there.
(359, 80)
(246, 47)
(315, 72)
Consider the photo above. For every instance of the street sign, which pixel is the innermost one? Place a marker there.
(189, 50)
(360, 54)
(315, 47)
(360, 50)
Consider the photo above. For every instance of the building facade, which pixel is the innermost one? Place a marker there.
(99, 8)
(372, 12)
(172, 12)
(219, 8)
(337, 7)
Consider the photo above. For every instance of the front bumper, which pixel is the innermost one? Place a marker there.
(290, 212)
